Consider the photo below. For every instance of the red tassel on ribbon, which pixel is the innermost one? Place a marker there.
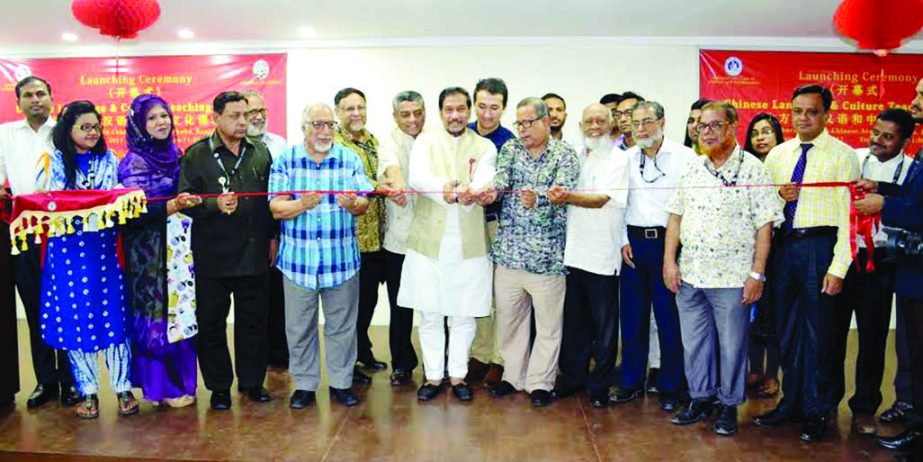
(862, 225)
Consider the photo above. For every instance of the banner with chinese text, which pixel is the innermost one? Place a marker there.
(763, 81)
(188, 83)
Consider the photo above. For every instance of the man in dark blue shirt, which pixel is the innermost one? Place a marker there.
(490, 97)
(902, 207)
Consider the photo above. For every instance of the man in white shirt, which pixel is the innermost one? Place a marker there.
(393, 170)
(21, 145)
(447, 272)
(257, 117)
(870, 294)
(592, 255)
(655, 170)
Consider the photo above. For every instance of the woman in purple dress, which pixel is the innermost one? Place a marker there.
(159, 259)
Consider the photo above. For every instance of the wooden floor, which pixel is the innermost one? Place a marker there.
(390, 424)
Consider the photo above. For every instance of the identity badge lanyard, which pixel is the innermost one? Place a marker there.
(225, 179)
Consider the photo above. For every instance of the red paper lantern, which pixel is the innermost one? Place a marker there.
(879, 25)
(117, 18)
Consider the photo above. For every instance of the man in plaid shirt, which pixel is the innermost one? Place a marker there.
(319, 253)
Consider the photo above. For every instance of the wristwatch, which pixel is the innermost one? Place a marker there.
(758, 276)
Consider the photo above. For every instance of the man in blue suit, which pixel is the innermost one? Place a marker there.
(902, 207)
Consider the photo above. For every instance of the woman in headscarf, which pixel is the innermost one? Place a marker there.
(83, 303)
(159, 259)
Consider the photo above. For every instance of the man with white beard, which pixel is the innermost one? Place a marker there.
(319, 254)
(447, 272)
(592, 255)
(656, 167)
(257, 117)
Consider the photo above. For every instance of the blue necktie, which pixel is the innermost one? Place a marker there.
(797, 177)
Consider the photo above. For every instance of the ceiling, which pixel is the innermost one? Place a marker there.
(41, 23)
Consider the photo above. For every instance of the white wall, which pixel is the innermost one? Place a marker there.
(581, 74)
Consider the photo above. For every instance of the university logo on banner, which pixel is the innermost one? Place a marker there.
(187, 83)
(863, 85)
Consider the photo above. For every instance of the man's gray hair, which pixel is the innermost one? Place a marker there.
(251, 92)
(652, 105)
(408, 96)
(541, 109)
(306, 114)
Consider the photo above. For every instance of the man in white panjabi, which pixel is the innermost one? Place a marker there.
(447, 271)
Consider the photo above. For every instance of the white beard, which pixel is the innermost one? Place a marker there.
(323, 147)
(648, 142)
(255, 132)
(594, 142)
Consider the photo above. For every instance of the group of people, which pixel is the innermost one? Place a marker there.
(526, 255)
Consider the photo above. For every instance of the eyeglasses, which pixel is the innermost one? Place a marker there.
(763, 132)
(524, 124)
(646, 123)
(254, 112)
(715, 125)
(87, 128)
(617, 114)
(319, 124)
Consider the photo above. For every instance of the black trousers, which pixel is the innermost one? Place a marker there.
(9, 342)
(213, 297)
(870, 297)
(903, 379)
(278, 343)
(403, 355)
(913, 314)
(51, 367)
(803, 324)
(374, 267)
(590, 330)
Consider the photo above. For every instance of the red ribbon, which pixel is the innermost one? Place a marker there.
(862, 225)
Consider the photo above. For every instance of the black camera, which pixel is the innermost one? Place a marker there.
(903, 245)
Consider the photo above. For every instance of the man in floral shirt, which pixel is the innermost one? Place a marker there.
(722, 214)
(529, 251)
(351, 112)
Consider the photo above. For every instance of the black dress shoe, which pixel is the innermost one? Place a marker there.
(540, 398)
(41, 395)
(564, 391)
(258, 394)
(897, 413)
(726, 424)
(428, 391)
(373, 365)
(502, 389)
(401, 377)
(221, 400)
(463, 392)
(344, 396)
(698, 409)
(903, 440)
(599, 399)
(69, 396)
(625, 396)
(301, 399)
(814, 428)
(772, 419)
(360, 378)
